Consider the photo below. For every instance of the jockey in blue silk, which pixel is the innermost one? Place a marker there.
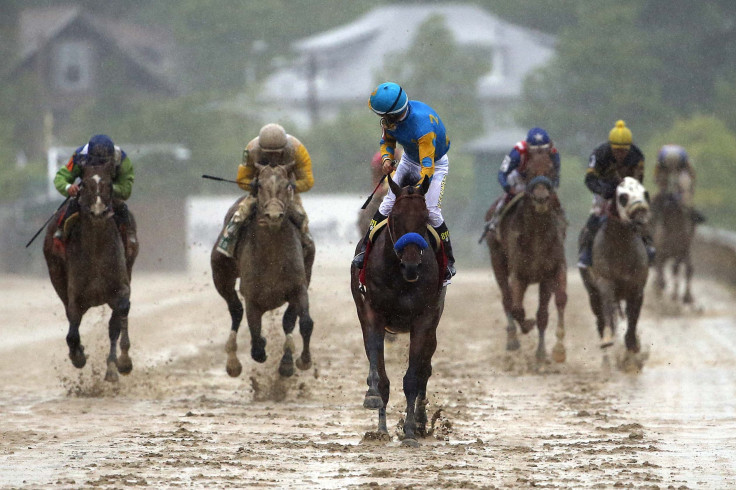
(512, 174)
(420, 131)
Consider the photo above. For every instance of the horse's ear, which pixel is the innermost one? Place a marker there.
(393, 185)
(290, 167)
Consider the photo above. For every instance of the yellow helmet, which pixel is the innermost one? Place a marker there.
(620, 135)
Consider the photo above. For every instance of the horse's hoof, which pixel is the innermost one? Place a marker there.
(377, 436)
(372, 402)
(527, 325)
(558, 353)
(234, 368)
(125, 365)
(258, 355)
(513, 344)
(302, 364)
(78, 358)
(688, 299)
(112, 374)
(410, 442)
(286, 369)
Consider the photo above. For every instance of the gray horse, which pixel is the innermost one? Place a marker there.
(273, 267)
(620, 264)
(674, 229)
(94, 269)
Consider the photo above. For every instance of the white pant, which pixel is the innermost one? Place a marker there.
(408, 172)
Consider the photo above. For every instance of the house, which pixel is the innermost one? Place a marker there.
(68, 55)
(338, 68)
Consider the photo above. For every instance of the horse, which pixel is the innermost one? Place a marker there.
(673, 232)
(273, 269)
(620, 264)
(95, 268)
(529, 249)
(403, 293)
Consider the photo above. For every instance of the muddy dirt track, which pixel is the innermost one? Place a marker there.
(501, 420)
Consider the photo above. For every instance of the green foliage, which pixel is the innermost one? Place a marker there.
(451, 89)
(604, 72)
(341, 151)
(711, 147)
(216, 141)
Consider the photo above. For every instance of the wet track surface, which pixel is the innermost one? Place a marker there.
(501, 419)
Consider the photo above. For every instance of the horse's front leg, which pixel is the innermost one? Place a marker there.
(125, 364)
(224, 276)
(306, 325)
(633, 309)
(119, 317)
(288, 322)
(545, 293)
(518, 288)
(675, 279)
(73, 340)
(609, 308)
(687, 298)
(257, 342)
(423, 343)
(560, 289)
(376, 398)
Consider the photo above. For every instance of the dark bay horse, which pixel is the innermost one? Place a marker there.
(620, 264)
(273, 269)
(402, 294)
(529, 249)
(673, 232)
(94, 269)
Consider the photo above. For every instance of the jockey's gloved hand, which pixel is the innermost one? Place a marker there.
(609, 190)
(73, 190)
(507, 189)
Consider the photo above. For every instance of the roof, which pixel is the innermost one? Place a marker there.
(151, 50)
(349, 57)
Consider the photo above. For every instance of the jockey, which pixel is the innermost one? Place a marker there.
(512, 174)
(672, 162)
(271, 146)
(609, 163)
(419, 130)
(99, 150)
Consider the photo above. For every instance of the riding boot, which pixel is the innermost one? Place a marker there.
(59, 237)
(444, 234)
(226, 244)
(359, 259)
(587, 234)
(123, 222)
(228, 240)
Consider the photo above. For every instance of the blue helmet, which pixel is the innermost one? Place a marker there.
(388, 98)
(673, 153)
(100, 148)
(538, 137)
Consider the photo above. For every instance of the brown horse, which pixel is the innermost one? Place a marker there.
(674, 229)
(402, 294)
(529, 249)
(620, 264)
(273, 269)
(94, 269)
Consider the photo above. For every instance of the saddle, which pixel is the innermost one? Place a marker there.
(434, 240)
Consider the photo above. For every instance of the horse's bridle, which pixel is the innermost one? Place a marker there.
(390, 222)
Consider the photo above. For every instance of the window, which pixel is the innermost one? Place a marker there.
(73, 67)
